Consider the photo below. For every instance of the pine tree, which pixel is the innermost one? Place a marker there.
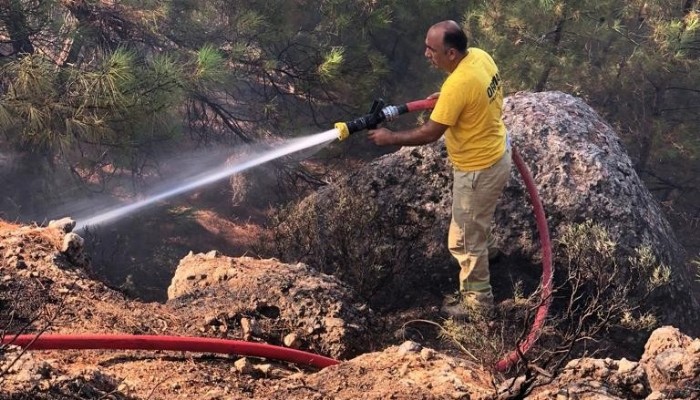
(636, 61)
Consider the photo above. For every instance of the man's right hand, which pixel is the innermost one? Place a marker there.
(381, 136)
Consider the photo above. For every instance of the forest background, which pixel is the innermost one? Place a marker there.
(95, 93)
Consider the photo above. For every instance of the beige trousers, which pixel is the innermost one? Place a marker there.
(474, 198)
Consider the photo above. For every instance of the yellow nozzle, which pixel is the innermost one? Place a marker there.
(343, 131)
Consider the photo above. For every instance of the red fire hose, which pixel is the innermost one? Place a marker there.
(173, 343)
(420, 105)
(546, 283)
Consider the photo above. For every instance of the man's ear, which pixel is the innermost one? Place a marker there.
(452, 54)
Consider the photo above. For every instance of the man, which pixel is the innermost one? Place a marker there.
(469, 113)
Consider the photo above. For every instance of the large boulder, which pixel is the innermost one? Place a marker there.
(583, 173)
(384, 226)
(284, 304)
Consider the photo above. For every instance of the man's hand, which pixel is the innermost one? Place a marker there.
(433, 96)
(381, 136)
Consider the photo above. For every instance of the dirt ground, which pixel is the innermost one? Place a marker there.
(65, 300)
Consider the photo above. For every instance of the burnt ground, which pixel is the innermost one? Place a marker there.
(138, 255)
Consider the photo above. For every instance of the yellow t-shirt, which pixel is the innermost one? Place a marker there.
(470, 104)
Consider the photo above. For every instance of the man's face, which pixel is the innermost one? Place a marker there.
(435, 50)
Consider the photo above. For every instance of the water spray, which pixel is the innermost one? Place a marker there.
(379, 112)
(289, 147)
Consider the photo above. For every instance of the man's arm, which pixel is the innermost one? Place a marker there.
(424, 134)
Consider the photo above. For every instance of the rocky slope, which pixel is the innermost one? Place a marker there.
(42, 290)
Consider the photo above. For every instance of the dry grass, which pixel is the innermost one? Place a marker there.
(6, 227)
(51, 236)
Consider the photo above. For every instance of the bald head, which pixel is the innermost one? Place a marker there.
(453, 37)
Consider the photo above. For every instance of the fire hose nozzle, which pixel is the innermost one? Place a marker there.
(368, 121)
(343, 131)
(378, 114)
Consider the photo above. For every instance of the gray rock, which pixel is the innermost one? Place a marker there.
(64, 224)
(409, 347)
(583, 173)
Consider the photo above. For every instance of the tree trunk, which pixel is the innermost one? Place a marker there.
(16, 22)
(544, 77)
(649, 134)
(688, 6)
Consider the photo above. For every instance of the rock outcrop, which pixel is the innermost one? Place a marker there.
(272, 301)
(671, 361)
(669, 369)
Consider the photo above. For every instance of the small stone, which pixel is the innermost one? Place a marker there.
(292, 341)
(264, 369)
(72, 242)
(250, 328)
(409, 347)
(427, 354)
(625, 366)
(244, 366)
